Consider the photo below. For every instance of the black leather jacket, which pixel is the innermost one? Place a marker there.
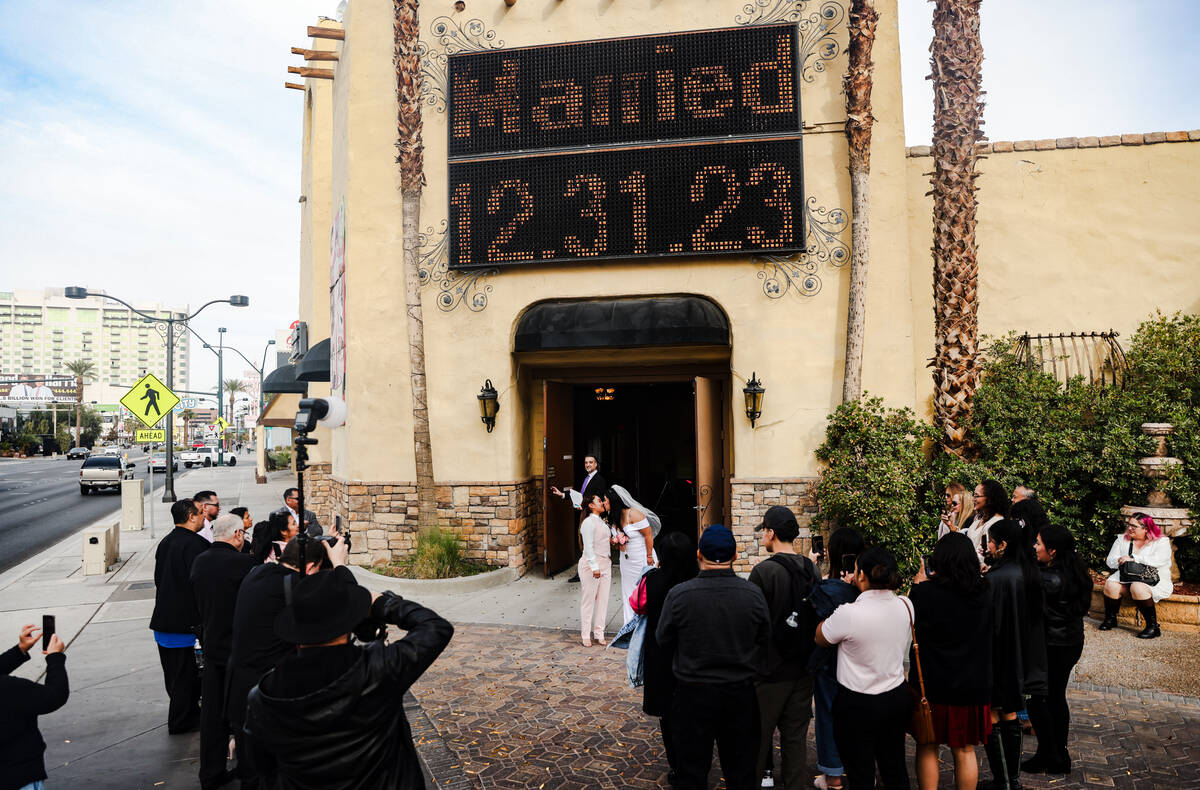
(352, 733)
(1064, 614)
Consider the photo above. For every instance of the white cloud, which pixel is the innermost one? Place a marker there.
(151, 150)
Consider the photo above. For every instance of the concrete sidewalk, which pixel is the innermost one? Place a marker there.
(112, 731)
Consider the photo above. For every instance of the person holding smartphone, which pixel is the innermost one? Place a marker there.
(959, 511)
(22, 763)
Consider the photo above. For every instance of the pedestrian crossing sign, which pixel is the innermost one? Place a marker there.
(221, 424)
(150, 400)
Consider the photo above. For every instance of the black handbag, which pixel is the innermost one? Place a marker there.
(1137, 571)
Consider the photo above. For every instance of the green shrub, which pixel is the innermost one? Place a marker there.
(1076, 444)
(876, 477)
(437, 555)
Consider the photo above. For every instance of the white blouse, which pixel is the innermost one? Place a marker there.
(873, 636)
(1153, 552)
(978, 528)
(587, 531)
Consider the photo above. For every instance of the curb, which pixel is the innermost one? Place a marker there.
(377, 582)
(1146, 695)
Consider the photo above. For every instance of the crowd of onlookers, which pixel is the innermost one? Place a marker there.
(253, 625)
(989, 633)
(271, 649)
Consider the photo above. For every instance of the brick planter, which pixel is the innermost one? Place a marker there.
(1176, 613)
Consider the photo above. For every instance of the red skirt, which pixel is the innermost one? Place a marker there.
(961, 725)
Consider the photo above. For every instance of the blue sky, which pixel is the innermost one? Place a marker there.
(149, 148)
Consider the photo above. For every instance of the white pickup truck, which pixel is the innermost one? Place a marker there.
(204, 456)
(103, 471)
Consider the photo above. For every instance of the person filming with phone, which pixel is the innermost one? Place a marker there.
(22, 765)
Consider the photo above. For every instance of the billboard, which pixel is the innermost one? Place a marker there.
(34, 388)
(648, 147)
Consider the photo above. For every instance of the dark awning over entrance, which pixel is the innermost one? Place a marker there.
(314, 365)
(283, 379)
(647, 321)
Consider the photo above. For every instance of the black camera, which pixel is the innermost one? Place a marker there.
(311, 410)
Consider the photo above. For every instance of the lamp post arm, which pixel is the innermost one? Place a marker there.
(256, 368)
(134, 309)
(206, 304)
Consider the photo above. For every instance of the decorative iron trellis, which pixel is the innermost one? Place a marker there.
(1067, 355)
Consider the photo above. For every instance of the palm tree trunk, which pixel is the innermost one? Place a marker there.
(79, 412)
(857, 85)
(412, 179)
(957, 60)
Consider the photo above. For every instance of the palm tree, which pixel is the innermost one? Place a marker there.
(407, 58)
(857, 85)
(188, 415)
(957, 60)
(233, 387)
(83, 369)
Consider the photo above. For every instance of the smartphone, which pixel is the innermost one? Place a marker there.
(47, 630)
(848, 562)
(818, 544)
(927, 564)
(983, 543)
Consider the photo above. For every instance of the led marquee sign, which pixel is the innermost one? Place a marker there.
(680, 144)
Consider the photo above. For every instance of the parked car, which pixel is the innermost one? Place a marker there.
(103, 471)
(158, 463)
(205, 456)
(78, 452)
(112, 450)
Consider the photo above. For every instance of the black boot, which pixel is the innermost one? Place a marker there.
(1111, 608)
(1150, 615)
(994, 747)
(1010, 736)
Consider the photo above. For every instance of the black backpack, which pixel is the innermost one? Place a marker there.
(793, 632)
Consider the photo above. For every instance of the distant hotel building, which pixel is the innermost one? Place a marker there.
(41, 331)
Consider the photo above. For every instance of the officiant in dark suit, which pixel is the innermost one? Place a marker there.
(593, 484)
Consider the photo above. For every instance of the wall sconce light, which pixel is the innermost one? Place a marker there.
(488, 404)
(605, 393)
(459, 5)
(510, 3)
(753, 393)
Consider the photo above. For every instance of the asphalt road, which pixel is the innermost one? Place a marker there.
(40, 503)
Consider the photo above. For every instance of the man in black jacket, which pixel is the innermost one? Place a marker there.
(291, 501)
(175, 616)
(785, 689)
(717, 625)
(255, 648)
(216, 578)
(21, 744)
(332, 715)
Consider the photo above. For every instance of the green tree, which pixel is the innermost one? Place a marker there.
(233, 387)
(83, 369)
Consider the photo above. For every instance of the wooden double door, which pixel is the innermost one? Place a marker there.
(708, 482)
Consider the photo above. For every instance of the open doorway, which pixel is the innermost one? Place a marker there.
(662, 440)
(644, 436)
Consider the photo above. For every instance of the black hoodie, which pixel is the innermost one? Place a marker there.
(350, 732)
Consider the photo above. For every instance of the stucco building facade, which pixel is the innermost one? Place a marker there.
(1075, 234)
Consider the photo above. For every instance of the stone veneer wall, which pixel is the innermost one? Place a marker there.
(318, 493)
(498, 521)
(749, 500)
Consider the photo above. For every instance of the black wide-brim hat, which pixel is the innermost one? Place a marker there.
(322, 607)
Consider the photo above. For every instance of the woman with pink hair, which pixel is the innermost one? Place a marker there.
(1143, 542)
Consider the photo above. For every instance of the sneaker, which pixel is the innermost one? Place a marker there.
(767, 780)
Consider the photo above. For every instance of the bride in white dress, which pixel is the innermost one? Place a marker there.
(633, 531)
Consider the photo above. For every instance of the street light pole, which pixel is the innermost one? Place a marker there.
(220, 392)
(237, 300)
